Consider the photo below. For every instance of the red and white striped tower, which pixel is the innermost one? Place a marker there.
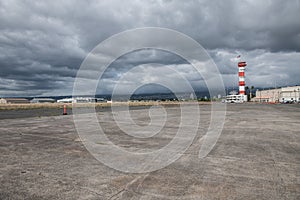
(242, 66)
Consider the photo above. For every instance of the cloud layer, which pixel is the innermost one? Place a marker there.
(43, 43)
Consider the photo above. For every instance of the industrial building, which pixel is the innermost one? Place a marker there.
(2, 101)
(77, 100)
(236, 98)
(279, 95)
(66, 100)
(14, 101)
(81, 100)
(42, 100)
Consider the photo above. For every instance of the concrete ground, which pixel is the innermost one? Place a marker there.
(256, 157)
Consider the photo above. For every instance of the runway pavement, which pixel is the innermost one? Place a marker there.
(256, 157)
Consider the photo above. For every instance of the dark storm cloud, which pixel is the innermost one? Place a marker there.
(42, 43)
(140, 57)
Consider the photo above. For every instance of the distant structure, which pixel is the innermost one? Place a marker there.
(233, 92)
(42, 100)
(2, 101)
(66, 100)
(235, 98)
(241, 66)
(279, 95)
(241, 97)
(192, 97)
(81, 100)
(14, 101)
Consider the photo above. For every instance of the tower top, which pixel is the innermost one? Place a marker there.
(242, 64)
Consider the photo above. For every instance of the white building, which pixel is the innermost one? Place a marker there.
(282, 95)
(66, 100)
(81, 100)
(2, 101)
(236, 98)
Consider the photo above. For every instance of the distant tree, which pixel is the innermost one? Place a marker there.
(251, 89)
(246, 88)
(247, 92)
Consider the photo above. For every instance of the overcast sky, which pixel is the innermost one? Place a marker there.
(43, 43)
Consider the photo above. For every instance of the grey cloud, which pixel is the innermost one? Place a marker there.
(42, 43)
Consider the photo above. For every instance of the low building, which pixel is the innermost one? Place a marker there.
(271, 96)
(236, 98)
(85, 100)
(16, 101)
(81, 100)
(101, 100)
(278, 95)
(42, 100)
(66, 100)
(2, 101)
(290, 94)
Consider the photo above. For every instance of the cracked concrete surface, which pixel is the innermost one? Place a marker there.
(256, 157)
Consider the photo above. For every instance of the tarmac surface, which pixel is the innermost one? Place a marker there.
(45, 111)
(256, 157)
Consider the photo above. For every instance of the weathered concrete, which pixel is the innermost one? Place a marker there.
(256, 157)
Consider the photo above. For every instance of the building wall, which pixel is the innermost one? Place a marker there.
(278, 95)
(42, 100)
(290, 94)
(272, 95)
(17, 100)
(2, 101)
(236, 98)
